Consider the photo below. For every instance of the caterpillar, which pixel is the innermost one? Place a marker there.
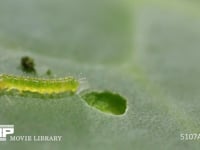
(38, 85)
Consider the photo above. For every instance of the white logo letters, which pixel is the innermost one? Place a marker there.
(5, 130)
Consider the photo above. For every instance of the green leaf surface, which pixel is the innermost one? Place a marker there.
(147, 52)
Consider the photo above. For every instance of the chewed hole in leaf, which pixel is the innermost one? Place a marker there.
(106, 101)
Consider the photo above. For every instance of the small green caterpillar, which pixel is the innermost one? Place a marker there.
(41, 86)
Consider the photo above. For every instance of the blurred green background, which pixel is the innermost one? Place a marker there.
(147, 51)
